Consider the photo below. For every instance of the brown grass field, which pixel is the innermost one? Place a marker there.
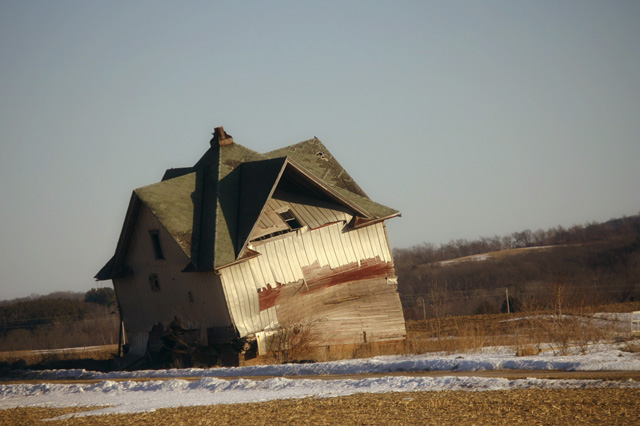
(515, 407)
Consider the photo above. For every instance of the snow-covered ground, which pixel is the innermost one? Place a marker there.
(620, 322)
(226, 385)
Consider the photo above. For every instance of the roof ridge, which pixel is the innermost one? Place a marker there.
(313, 139)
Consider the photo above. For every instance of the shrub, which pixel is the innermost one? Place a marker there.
(294, 342)
(101, 296)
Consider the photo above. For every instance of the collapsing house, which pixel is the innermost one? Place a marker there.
(243, 245)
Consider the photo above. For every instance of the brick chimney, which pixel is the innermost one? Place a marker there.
(220, 137)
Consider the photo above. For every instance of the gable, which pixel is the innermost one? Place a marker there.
(308, 212)
(150, 200)
(292, 179)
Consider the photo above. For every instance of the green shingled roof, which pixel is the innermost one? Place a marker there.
(316, 158)
(170, 201)
(211, 208)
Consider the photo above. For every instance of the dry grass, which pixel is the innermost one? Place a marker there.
(459, 334)
(528, 332)
(309, 352)
(632, 346)
(293, 343)
(620, 307)
(51, 359)
(526, 407)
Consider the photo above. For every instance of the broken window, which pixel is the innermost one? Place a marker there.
(153, 281)
(155, 240)
(273, 234)
(290, 220)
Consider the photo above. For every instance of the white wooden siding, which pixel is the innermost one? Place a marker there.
(137, 341)
(311, 216)
(281, 262)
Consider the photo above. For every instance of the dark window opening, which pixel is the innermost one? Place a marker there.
(153, 281)
(271, 235)
(155, 240)
(290, 220)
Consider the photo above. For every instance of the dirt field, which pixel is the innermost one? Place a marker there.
(517, 407)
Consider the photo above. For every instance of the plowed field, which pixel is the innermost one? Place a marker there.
(516, 407)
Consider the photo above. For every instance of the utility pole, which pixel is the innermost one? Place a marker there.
(506, 290)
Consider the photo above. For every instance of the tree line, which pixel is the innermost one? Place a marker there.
(584, 264)
(577, 234)
(59, 307)
(27, 322)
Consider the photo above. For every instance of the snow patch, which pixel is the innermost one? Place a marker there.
(131, 396)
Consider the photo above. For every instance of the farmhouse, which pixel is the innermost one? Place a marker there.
(243, 245)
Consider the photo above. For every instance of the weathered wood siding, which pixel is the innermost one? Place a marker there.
(310, 212)
(195, 298)
(340, 280)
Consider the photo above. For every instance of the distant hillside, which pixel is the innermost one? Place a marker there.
(60, 319)
(494, 255)
(582, 265)
(55, 295)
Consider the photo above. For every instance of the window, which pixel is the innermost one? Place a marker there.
(290, 220)
(155, 240)
(153, 281)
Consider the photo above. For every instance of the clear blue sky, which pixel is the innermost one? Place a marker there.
(472, 118)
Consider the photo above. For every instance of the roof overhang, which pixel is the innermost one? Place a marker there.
(360, 222)
(115, 267)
